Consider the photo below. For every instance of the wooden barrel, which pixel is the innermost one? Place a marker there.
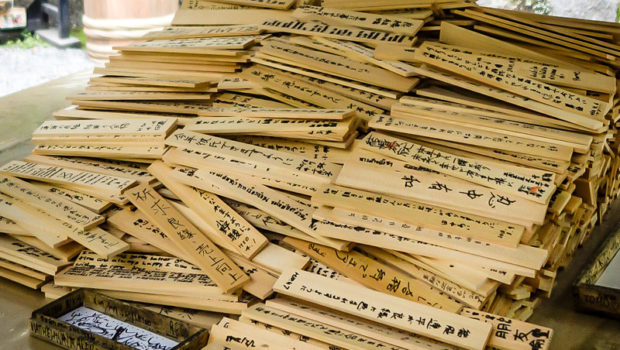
(109, 23)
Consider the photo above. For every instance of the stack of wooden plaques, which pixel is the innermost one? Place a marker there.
(362, 174)
(123, 139)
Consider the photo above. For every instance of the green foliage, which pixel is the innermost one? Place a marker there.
(536, 6)
(79, 34)
(28, 40)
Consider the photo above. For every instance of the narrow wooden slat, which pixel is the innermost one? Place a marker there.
(389, 310)
(188, 239)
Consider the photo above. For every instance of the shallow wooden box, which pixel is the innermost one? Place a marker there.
(594, 298)
(44, 323)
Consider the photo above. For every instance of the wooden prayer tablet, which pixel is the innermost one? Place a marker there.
(280, 162)
(337, 32)
(365, 54)
(32, 220)
(204, 46)
(522, 255)
(138, 95)
(65, 252)
(400, 243)
(9, 226)
(271, 201)
(153, 81)
(311, 328)
(24, 254)
(99, 165)
(386, 23)
(87, 149)
(302, 88)
(360, 326)
(89, 202)
(330, 130)
(275, 4)
(534, 185)
(511, 333)
(136, 273)
(452, 58)
(398, 179)
(52, 174)
(376, 275)
(25, 280)
(188, 238)
(51, 203)
(22, 270)
(579, 120)
(202, 32)
(245, 239)
(200, 303)
(237, 335)
(335, 65)
(290, 113)
(154, 127)
(226, 16)
(387, 309)
(461, 134)
(418, 214)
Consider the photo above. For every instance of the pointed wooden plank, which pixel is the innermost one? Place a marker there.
(30, 282)
(510, 333)
(203, 46)
(137, 273)
(376, 275)
(578, 121)
(275, 203)
(535, 185)
(11, 227)
(365, 54)
(211, 304)
(522, 254)
(277, 113)
(385, 23)
(333, 64)
(27, 255)
(357, 325)
(488, 71)
(98, 182)
(312, 329)
(398, 242)
(51, 203)
(65, 252)
(188, 238)
(403, 180)
(99, 166)
(470, 136)
(387, 309)
(239, 336)
(298, 87)
(231, 226)
(89, 202)
(337, 32)
(416, 213)
(154, 127)
(202, 32)
(32, 220)
(466, 296)
(280, 162)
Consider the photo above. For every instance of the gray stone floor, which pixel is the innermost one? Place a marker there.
(24, 68)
